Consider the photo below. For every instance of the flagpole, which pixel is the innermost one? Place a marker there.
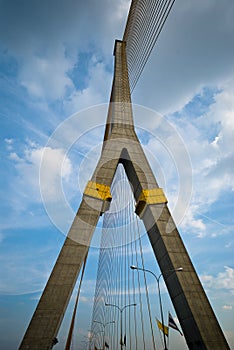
(161, 310)
(159, 294)
(168, 332)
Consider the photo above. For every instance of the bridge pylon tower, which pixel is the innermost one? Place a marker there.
(121, 145)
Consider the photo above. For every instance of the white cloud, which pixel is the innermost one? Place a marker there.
(9, 144)
(209, 138)
(15, 157)
(191, 222)
(221, 113)
(9, 141)
(97, 91)
(228, 245)
(46, 77)
(48, 38)
(227, 307)
(224, 280)
(57, 165)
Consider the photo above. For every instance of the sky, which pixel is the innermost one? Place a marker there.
(56, 67)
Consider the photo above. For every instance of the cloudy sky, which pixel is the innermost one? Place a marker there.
(56, 68)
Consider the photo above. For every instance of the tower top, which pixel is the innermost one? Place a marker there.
(116, 42)
(120, 116)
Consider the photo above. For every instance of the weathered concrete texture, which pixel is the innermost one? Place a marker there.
(49, 313)
(197, 319)
(121, 145)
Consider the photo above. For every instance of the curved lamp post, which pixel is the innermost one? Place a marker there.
(121, 322)
(159, 293)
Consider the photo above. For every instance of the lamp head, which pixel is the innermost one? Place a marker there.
(133, 267)
(179, 269)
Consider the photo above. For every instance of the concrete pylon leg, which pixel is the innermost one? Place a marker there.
(197, 319)
(49, 313)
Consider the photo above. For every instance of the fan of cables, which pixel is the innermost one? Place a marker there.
(122, 311)
(144, 24)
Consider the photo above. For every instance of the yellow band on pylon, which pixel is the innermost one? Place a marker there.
(96, 190)
(153, 196)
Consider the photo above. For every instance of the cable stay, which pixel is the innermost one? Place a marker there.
(123, 314)
(144, 24)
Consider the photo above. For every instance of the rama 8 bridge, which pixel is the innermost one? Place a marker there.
(124, 193)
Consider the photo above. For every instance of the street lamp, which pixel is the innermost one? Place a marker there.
(104, 326)
(121, 321)
(159, 293)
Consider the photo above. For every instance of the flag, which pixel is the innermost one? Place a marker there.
(106, 345)
(172, 324)
(164, 328)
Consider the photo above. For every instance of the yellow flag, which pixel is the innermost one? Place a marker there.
(164, 328)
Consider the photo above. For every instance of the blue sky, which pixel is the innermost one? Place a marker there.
(56, 68)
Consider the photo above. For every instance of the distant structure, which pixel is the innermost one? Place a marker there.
(121, 145)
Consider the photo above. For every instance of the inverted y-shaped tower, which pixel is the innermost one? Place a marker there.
(121, 145)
